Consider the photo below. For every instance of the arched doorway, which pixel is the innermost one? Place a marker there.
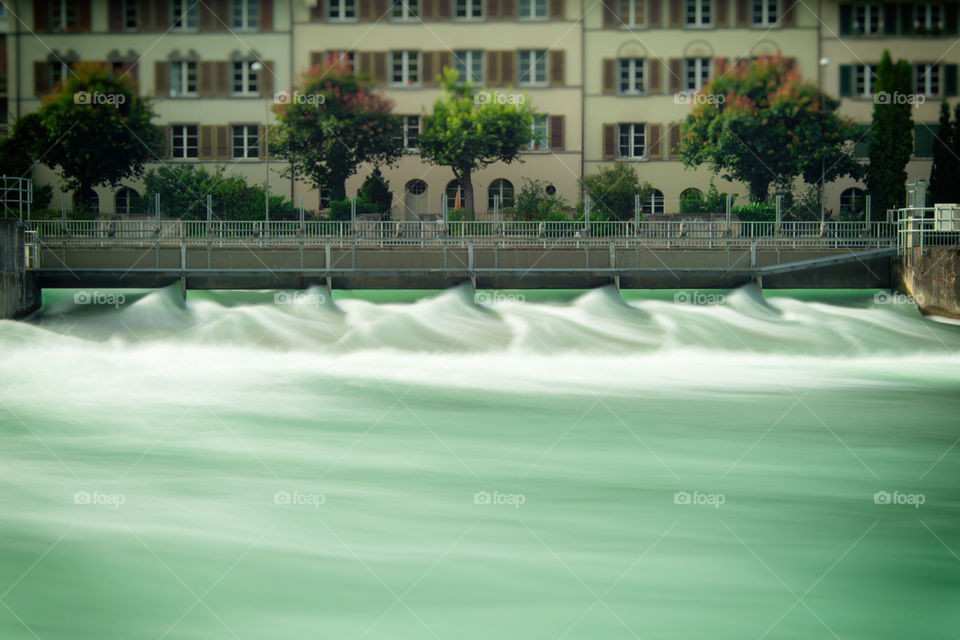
(415, 200)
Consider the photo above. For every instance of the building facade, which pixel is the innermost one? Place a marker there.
(610, 80)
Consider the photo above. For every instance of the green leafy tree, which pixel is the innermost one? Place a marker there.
(96, 129)
(759, 123)
(467, 133)
(945, 172)
(332, 123)
(891, 141)
(532, 202)
(613, 190)
(376, 192)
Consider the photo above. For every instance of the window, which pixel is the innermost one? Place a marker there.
(404, 10)
(502, 189)
(764, 13)
(632, 139)
(245, 140)
(87, 200)
(866, 19)
(57, 71)
(453, 195)
(244, 79)
(346, 57)
(927, 80)
(631, 12)
(653, 203)
(63, 15)
(469, 65)
(533, 67)
(697, 13)
(861, 144)
(924, 136)
(864, 78)
(341, 9)
(469, 9)
(125, 201)
(852, 200)
(184, 141)
(630, 72)
(128, 14)
(411, 131)
(404, 67)
(245, 14)
(416, 187)
(183, 78)
(532, 9)
(184, 14)
(539, 140)
(696, 73)
(928, 18)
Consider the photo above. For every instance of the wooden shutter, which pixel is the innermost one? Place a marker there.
(364, 63)
(83, 15)
(428, 75)
(266, 14)
(723, 12)
(654, 83)
(443, 9)
(205, 78)
(556, 133)
(205, 18)
(890, 11)
(428, 10)
(221, 14)
(364, 9)
(609, 141)
(115, 15)
(144, 15)
(719, 67)
(906, 19)
(493, 68)
(444, 61)
(609, 75)
(493, 10)
(380, 9)
(317, 13)
(40, 17)
(508, 9)
(654, 132)
(508, 68)
(846, 80)
(950, 80)
(318, 57)
(222, 142)
(743, 13)
(41, 79)
(266, 78)
(262, 141)
(789, 17)
(164, 149)
(379, 67)
(846, 19)
(161, 79)
(654, 13)
(206, 142)
(950, 19)
(676, 68)
(676, 13)
(556, 10)
(674, 150)
(557, 74)
(161, 15)
(610, 20)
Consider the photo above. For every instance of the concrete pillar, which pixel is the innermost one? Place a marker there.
(19, 288)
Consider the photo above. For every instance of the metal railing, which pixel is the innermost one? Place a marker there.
(918, 229)
(708, 234)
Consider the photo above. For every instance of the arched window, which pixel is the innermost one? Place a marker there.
(853, 201)
(692, 192)
(416, 187)
(453, 194)
(86, 200)
(125, 201)
(503, 189)
(653, 203)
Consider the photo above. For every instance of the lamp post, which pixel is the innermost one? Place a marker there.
(258, 67)
(823, 62)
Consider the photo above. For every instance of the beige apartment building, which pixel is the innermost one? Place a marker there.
(609, 79)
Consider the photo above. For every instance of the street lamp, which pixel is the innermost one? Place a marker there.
(823, 211)
(258, 67)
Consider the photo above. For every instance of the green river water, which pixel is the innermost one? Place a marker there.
(520, 465)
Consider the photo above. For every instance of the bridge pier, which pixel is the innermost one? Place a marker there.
(19, 288)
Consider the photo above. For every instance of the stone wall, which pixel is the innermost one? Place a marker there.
(932, 277)
(19, 289)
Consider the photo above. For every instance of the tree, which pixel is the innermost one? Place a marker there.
(533, 202)
(891, 142)
(945, 172)
(758, 122)
(375, 191)
(613, 191)
(96, 129)
(332, 123)
(468, 133)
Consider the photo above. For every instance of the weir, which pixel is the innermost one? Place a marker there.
(19, 286)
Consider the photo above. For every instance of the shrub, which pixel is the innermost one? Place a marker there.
(756, 212)
(375, 192)
(533, 202)
(693, 201)
(612, 191)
